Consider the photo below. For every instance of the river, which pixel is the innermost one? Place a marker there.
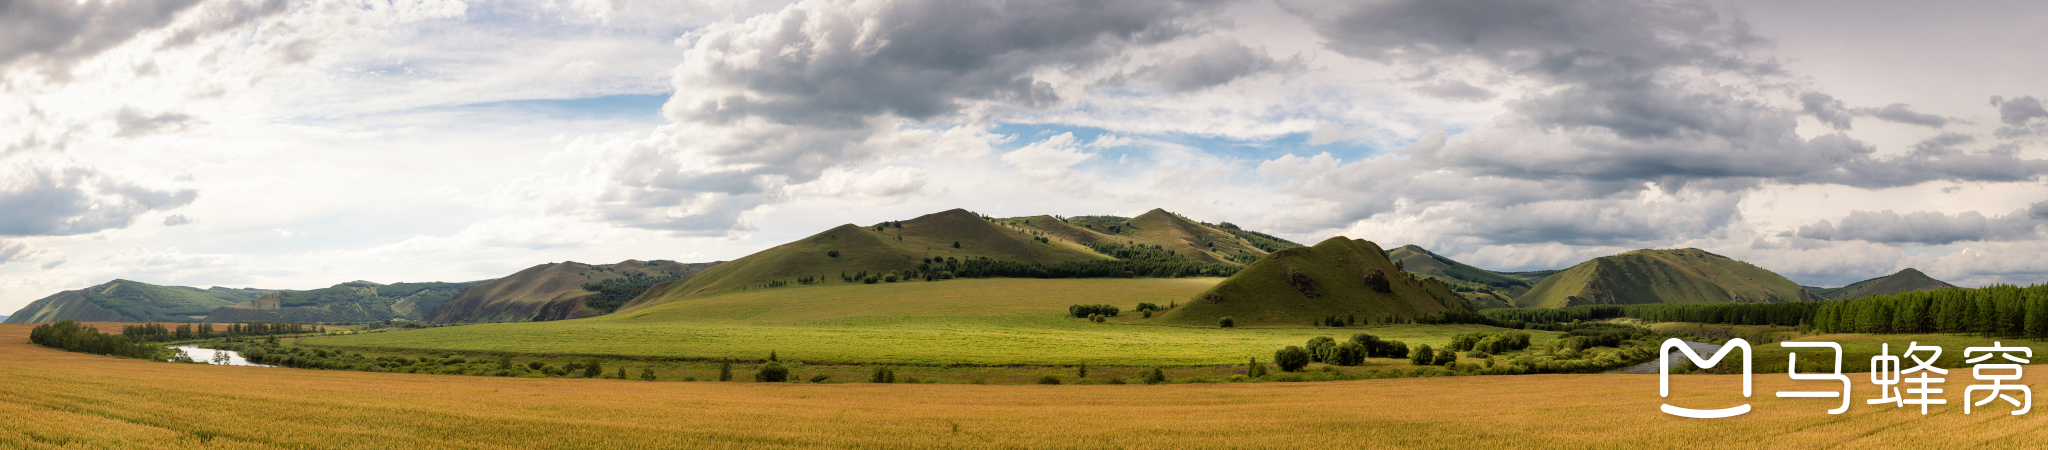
(216, 357)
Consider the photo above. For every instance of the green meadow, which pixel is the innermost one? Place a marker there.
(1004, 321)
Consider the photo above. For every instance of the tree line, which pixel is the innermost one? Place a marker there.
(72, 336)
(154, 332)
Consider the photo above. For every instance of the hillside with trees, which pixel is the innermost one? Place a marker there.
(1195, 240)
(557, 291)
(1663, 276)
(132, 301)
(1339, 281)
(1482, 288)
(355, 301)
(1909, 280)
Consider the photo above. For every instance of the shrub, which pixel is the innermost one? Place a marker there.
(1254, 369)
(592, 369)
(1422, 356)
(1084, 311)
(535, 365)
(1226, 322)
(1444, 356)
(833, 254)
(621, 375)
(1347, 354)
(820, 378)
(1082, 372)
(1291, 358)
(1319, 348)
(1112, 380)
(890, 278)
(883, 375)
(1148, 313)
(1155, 376)
(646, 374)
(725, 371)
(1048, 379)
(772, 372)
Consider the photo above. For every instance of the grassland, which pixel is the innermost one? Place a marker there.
(973, 322)
(68, 400)
(1662, 276)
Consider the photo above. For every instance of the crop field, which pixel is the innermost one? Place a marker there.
(974, 322)
(56, 399)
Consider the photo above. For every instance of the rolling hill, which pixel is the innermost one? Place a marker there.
(1194, 240)
(1662, 276)
(889, 246)
(552, 291)
(1480, 287)
(355, 301)
(825, 258)
(132, 301)
(1908, 280)
(1298, 286)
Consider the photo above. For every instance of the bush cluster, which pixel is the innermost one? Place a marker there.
(1083, 311)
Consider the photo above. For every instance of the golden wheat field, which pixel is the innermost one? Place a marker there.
(55, 399)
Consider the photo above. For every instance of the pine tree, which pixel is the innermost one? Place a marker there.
(725, 371)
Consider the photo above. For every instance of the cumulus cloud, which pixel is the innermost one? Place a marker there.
(782, 99)
(1902, 113)
(2019, 116)
(1626, 98)
(1051, 158)
(1219, 61)
(1456, 90)
(176, 220)
(54, 35)
(59, 198)
(1930, 227)
(134, 123)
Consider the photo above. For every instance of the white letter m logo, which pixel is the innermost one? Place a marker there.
(1664, 376)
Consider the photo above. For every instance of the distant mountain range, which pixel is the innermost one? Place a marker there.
(1277, 281)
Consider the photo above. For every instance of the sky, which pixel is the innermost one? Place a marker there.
(298, 144)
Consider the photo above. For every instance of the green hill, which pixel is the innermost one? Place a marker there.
(1908, 280)
(1482, 288)
(1298, 286)
(852, 249)
(552, 291)
(131, 301)
(1194, 240)
(1662, 276)
(354, 301)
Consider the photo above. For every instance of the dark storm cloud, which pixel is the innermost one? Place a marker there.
(1931, 228)
(43, 200)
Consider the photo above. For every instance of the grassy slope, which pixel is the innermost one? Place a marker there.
(1908, 280)
(130, 301)
(98, 402)
(518, 297)
(1259, 295)
(1494, 290)
(979, 321)
(1156, 227)
(1662, 276)
(867, 249)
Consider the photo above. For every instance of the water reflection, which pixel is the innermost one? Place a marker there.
(215, 357)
